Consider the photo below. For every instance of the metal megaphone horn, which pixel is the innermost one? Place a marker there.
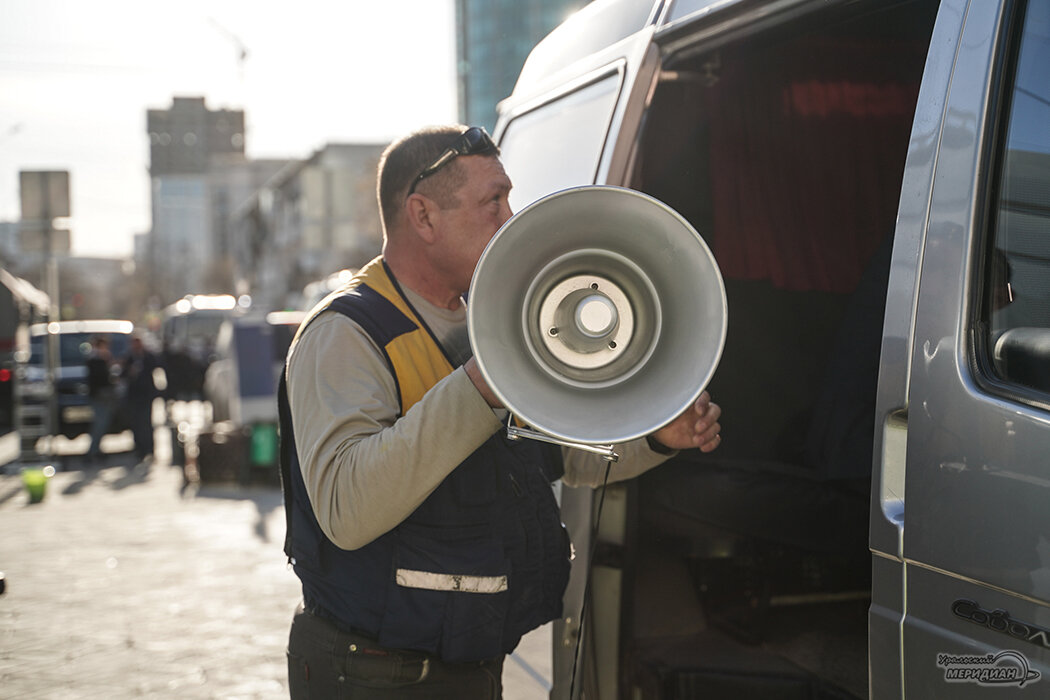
(597, 315)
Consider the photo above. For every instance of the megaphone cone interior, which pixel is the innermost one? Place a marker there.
(597, 314)
(588, 328)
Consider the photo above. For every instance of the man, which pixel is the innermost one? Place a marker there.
(139, 391)
(427, 542)
(102, 393)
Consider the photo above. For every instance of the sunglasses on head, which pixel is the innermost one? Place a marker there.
(472, 142)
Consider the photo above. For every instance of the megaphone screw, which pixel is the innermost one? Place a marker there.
(553, 331)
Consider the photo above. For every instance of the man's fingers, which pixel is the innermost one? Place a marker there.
(711, 444)
(709, 415)
(706, 431)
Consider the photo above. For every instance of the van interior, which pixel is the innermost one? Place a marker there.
(747, 571)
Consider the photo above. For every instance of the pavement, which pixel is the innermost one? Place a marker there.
(126, 582)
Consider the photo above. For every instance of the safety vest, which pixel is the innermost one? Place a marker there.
(483, 560)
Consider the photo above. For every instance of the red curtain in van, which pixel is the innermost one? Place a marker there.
(808, 147)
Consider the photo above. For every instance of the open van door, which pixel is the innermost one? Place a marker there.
(961, 498)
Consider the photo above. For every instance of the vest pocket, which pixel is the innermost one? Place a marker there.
(447, 593)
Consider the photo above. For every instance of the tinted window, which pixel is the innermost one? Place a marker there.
(196, 331)
(282, 339)
(1017, 292)
(254, 361)
(559, 144)
(74, 348)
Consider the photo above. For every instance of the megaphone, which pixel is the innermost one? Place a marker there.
(597, 315)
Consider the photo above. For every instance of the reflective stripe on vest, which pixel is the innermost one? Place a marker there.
(431, 581)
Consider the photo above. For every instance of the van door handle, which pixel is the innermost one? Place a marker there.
(890, 476)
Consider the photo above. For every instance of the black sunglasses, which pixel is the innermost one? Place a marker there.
(472, 142)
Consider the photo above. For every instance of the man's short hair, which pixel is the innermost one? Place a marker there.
(404, 159)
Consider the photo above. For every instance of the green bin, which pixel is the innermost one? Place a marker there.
(264, 445)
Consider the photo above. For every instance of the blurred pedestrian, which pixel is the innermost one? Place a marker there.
(139, 391)
(181, 372)
(102, 392)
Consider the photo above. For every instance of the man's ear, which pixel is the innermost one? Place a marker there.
(420, 212)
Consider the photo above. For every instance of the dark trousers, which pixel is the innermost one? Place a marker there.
(140, 417)
(102, 405)
(327, 662)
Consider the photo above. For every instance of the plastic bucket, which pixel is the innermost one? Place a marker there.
(35, 481)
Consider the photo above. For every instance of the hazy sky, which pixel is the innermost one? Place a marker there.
(76, 79)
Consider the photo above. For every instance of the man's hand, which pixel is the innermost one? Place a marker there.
(696, 427)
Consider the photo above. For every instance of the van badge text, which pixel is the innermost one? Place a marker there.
(1000, 621)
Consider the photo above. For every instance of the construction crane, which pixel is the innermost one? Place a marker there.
(242, 48)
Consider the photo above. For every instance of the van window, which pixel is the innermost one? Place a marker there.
(556, 145)
(254, 361)
(1017, 291)
(75, 348)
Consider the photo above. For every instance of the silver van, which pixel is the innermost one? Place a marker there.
(873, 179)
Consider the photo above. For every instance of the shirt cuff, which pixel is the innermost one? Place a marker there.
(658, 447)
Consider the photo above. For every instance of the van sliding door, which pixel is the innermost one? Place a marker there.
(973, 591)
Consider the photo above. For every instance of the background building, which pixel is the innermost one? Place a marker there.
(9, 248)
(199, 176)
(493, 39)
(312, 219)
(185, 138)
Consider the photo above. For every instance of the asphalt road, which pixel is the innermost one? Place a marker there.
(125, 582)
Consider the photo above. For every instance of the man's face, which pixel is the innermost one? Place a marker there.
(481, 209)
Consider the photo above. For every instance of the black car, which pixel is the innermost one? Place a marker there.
(71, 377)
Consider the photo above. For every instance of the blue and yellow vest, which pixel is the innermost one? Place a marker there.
(483, 560)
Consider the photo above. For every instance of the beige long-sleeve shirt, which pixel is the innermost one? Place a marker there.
(365, 469)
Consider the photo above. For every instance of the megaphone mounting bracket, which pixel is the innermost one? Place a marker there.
(605, 451)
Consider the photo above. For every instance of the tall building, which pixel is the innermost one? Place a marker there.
(185, 138)
(493, 39)
(194, 152)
